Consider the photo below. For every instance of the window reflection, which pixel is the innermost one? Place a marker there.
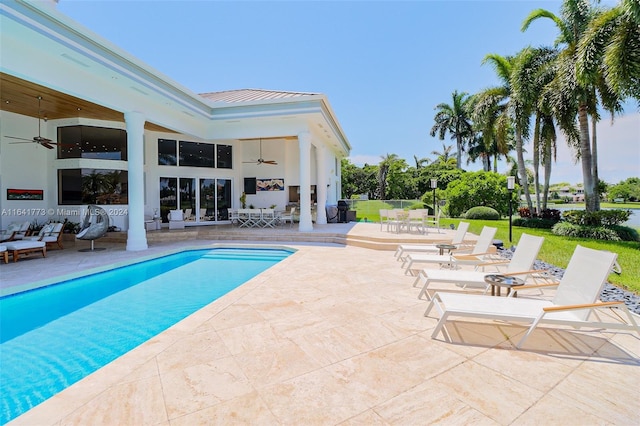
(92, 142)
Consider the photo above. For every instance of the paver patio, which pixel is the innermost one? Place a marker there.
(334, 335)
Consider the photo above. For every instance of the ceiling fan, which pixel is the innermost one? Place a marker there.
(47, 143)
(261, 160)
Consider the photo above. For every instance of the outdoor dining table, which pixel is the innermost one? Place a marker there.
(258, 218)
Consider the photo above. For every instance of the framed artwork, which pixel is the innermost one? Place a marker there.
(25, 194)
(274, 184)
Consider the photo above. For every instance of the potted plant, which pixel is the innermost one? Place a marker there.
(243, 200)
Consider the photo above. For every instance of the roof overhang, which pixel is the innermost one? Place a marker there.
(43, 51)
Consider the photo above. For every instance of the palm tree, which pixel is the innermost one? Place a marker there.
(571, 97)
(611, 46)
(454, 119)
(420, 162)
(93, 185)
(532, 72)
(383, 171)
(499, 108)
(477, 149)
(444, 155)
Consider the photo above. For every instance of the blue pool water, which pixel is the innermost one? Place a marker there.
(54, 336)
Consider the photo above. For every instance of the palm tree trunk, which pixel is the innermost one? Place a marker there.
(585, 158)
(522, 171)
(547, 160)
(536, 162)
(594, 163)
(459, 153)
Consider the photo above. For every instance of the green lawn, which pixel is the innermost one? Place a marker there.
(557, 250)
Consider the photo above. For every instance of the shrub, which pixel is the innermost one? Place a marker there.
(552, 214)
(524, 212)
(418, 205)
(567, 229)
(534, 222)
(599, 218)
(626, 233)
(482, 213)
(473, 189)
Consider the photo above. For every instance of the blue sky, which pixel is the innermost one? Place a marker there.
(383, 65)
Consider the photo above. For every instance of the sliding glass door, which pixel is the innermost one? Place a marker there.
(215, 199)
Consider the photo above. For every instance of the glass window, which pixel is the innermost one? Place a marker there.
(224, 158)
(188, 197)
(168, 197)
(207, 199)
(70, 186)
(100, 143)
(92, 186)
(196, 154)
(223, 198)
(167, 155)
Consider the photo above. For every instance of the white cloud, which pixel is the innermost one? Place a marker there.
(618, 152)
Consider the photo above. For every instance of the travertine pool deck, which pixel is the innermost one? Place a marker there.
(335, 335)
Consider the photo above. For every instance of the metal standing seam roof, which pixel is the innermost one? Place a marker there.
(248, 95)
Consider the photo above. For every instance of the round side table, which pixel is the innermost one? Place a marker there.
(444, 247)
(500, 281)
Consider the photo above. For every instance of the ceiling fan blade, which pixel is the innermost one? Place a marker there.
(272, 162)
(47, 145)
(22, 139)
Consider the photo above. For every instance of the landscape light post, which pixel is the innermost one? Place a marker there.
(511, 183)
(434, 185)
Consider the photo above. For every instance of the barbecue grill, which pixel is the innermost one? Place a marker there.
(343, 207)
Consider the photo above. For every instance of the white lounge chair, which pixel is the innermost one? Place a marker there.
(456, 240)
(16, 248)
(15, 231)
(574, 304)
(519, 266)
(51, 234)
(479, 254)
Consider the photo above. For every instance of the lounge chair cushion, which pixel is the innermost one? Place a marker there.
(22, 245)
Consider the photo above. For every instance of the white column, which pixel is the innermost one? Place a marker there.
(322, 180)
(136, 236)
(304, 143)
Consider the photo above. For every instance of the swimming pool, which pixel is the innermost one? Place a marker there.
(54, 336)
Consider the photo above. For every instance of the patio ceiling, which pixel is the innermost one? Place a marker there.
(21, 97)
